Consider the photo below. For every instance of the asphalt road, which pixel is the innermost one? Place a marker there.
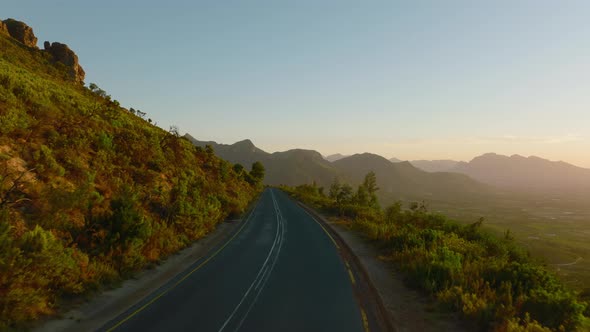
(281, 271)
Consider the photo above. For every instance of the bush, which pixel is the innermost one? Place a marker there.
(487, 279)
(106, 194)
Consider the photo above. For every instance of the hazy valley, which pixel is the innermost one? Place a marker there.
(544, 204)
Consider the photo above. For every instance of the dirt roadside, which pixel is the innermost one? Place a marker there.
(100, 309)
(408, 310)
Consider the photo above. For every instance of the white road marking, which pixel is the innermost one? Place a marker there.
(262, 275)
(270, 270)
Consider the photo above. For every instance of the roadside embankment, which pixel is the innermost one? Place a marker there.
(406, 309)
(105, 306)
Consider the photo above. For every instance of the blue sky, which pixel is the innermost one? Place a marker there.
(413, 79)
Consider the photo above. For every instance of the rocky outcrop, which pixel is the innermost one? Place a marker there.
(3, 28)
(21, 32)
(58, 51)
(62, 53)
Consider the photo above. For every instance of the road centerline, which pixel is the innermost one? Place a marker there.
(165, 291)
(264, 272)
(291, 278)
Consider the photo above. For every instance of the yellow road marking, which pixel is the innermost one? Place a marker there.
(350, 273)
(351, 277)
(325, 230)
(365, 320)
(183, 278)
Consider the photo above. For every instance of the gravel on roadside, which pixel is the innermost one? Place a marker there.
(107, 305)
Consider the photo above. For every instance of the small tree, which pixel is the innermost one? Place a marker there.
(257, 172)
(95, 89)
(370, 187)
(140, 114)
(362, 197)
(344, 195)
(174, 130)
(238, 169)
(335, 188)
(370, 183)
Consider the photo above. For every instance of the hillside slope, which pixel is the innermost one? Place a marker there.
(90, 192)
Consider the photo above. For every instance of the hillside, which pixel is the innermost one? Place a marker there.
(526, 174)
(89, 191)
(291, 167)
(488, 280)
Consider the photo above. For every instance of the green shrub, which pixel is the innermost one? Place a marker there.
(107, 193)
(489, 280)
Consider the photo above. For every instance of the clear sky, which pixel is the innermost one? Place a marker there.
(413, 79)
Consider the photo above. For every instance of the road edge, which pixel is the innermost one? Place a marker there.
(383, 313)
(97, 311)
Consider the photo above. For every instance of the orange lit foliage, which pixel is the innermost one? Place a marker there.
(90, 192)
(490, 281)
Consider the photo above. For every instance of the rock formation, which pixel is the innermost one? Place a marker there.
(58, 51)
(62, 53)
(3, 28)
(21, 32)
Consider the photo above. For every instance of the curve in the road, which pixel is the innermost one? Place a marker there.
(281, 271)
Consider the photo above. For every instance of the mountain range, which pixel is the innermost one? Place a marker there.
(403, 181)
(291, 167)
(516, 172)
(417, 178)
(526, 173)
(396, 180)
(435, 165)
(334, 157)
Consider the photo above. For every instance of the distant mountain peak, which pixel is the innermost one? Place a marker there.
(433, 166)
(368, 155)
(517, 156)
(334, 157)
(245, 146)
(299, 153)
(489, 155)
(365, 158)
(526, 173)
(244, 142)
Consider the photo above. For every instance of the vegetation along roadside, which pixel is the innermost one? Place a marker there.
(91, 192)
(489, 280)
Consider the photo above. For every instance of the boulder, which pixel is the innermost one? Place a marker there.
(3, 28)
(21, 32)
(62, 53)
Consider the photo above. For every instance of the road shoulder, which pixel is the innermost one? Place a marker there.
(406, 309)
(107, 305)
